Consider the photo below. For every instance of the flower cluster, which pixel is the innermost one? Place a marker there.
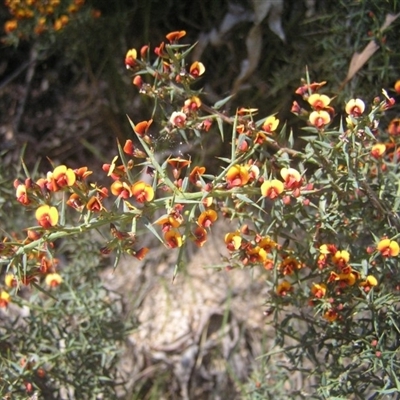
(31, 17)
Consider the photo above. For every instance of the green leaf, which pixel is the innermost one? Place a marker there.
(220, 127)
(245, 199)
(222, 102)
(150, 227)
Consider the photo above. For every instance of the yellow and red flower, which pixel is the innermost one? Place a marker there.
(237, 175)
(207, 218)
(75, 201)
(5, 299)
(319, 118)
(270, 124)
(131, 58)
(121, 189)
(378, 150)
(113, 170)
(289, 265)
(173, 238)
(191, 105)
(61, 22)
(355, 107)
(47, 216)
(169, 221)
(95, 204)
(53, 280)
(291, 177)
(254, 172)
(341, 258)
(272, 188)
(284, 288)
(312, 87)
(60, 177)
(331, 315)
(369, 282)
(319, 101)
(388, 248)
(267, 244)
(256, 254)
(142, 191)
(22, 195)
(129, 147)
(10, 280)
(233, 240)
(318, 290)
(82, 173)
(197, 69)
(350, 278)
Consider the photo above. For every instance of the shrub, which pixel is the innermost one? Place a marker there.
(321, 218)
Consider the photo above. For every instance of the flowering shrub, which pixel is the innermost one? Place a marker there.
(34, 18)
(317, 210)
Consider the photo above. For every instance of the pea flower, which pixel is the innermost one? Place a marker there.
(5, 299)
(272, 188)
(173, 239)
(175, 36)
(331, 315)
(191, 105)
(130, 58)
(237, 175)
(197, 69)
(319, 118)
(270, 124)
(256, 254)
(142, 191)
(22, 195)
(319, 101)
(388, 248)
(10, 280)
(47, 216)
(355, 107)
(53, 280)
(195, 174)
(121, 189)
(169, 221)
(284, 288)
(289, 265)
(369, 282)
(341, 258)
(291, 177)
(60, 178)
(178, 119)
(378, 150)
(233, 240)
(267, 244)
(318, 290)
(207, 218)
